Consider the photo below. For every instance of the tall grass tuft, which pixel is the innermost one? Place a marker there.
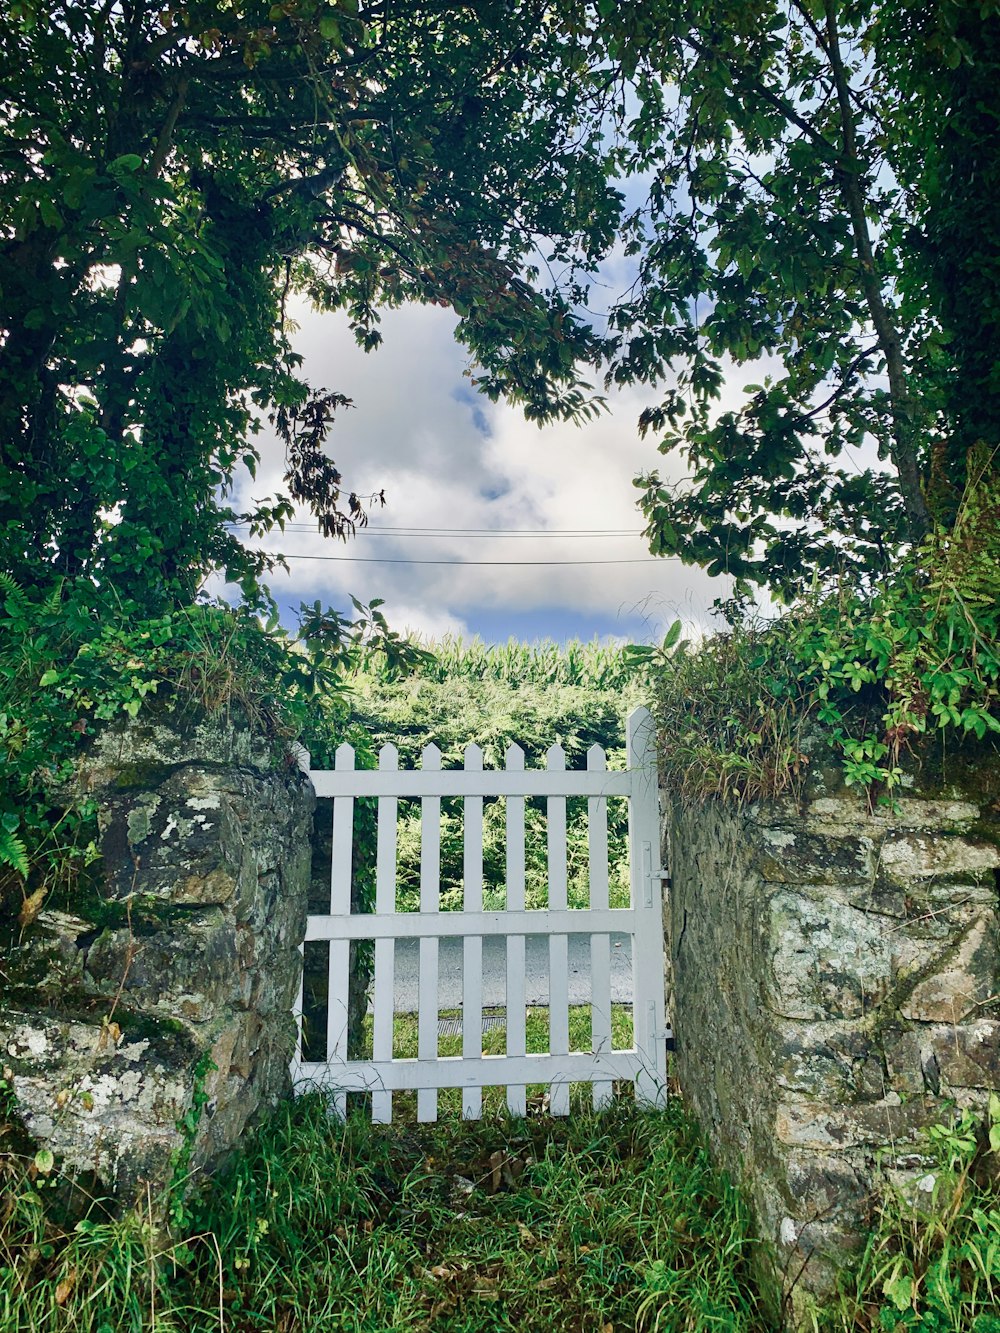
(569, 1226)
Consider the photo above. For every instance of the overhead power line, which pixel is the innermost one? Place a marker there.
(505, 564)
(470, 532)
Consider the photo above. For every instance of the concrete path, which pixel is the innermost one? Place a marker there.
(495, 971)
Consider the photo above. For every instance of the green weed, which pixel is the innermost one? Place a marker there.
(459, 1228)
(870, 674)
(932, 1262)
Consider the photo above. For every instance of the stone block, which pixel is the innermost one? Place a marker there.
(952, 976)
(843, 812)
(104, 1103)
(967, 1056)
(811, 1125)
(793, 856)
(939, 814)
(186, 970)
(905, 1059)
(820, 1187)
(831, 1061)
(828, 960)
(905, 857)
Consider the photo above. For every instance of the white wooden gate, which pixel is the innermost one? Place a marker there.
(644, 1063)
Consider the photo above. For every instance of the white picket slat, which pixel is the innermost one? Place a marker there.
(383, 999)
(430, 901)
(600, 943)
(555, 762)
(515, 1013)
(644, 1064)
(472, 948)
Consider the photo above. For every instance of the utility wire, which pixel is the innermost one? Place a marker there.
(503, 564)
(469, 532)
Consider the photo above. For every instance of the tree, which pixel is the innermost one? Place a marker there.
(170, 172)
(822, 203)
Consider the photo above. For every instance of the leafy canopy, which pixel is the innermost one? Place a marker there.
(821, 208)
(171, 172)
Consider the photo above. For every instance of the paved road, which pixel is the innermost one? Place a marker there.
(495, 971)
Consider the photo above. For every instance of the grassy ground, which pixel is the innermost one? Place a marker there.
(404, 1046)
(595, 1223)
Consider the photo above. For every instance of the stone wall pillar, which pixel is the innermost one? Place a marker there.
(153, 1016)
(836, 986)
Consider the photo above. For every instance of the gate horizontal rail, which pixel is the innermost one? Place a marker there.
(439, 925)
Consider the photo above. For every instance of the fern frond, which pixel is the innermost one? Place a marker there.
(13, 853)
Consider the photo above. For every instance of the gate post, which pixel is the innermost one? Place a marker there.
(649, 1013)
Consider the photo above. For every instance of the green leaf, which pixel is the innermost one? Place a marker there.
(14, 853)
(672, 636)
(899, 1290)
(44, 1161)
(49, 677)
(127, 162)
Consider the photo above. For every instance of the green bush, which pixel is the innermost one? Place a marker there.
(872, 673)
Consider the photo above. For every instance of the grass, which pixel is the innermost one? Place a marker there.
(595, 1223)
(405, 1046)
(932, 1260)
(404, 1031)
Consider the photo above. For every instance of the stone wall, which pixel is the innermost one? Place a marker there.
(835, 986)
(149, 1020)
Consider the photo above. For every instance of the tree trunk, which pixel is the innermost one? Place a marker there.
(905, 423)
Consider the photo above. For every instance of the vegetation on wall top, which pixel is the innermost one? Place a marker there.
(869, 675)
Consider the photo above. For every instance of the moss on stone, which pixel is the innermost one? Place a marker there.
(986, 830)
(943, 763)
(142, 774)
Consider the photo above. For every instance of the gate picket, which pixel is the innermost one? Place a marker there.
(472, 948)
(385, 948)
(515, 1011)
(430, 903)
(555, 762)
(600, 944)
(644, 1064)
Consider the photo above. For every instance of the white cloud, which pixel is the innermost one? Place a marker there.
(452, 460)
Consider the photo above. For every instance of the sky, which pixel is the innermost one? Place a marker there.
(449, 459)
